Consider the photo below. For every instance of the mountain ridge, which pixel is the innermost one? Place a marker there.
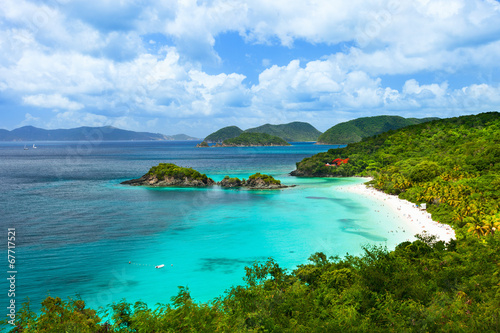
(290, 132)
(84, 133)
(355, 130)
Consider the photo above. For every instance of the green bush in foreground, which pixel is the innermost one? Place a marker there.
(421, 286)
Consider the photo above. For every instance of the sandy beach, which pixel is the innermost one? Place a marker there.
(417, 220)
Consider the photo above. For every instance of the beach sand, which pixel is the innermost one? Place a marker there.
(418, 221)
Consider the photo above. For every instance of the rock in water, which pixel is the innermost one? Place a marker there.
(168, 174)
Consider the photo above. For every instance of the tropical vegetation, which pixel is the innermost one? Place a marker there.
(228, 132)
(452, 165)
(421, 286)
(268, 179)
(292, 132)
(257, 180)
(355, 130)
(255, 139)
(163, 170)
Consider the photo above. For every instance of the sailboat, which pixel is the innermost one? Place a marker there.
(25, 148)
(34, 147)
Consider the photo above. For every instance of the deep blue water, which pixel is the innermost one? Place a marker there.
(77, 228)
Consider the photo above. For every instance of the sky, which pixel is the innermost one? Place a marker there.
(194, 66)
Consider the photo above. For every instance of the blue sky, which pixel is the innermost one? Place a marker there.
(193, 67)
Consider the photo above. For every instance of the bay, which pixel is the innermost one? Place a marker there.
(79, 232)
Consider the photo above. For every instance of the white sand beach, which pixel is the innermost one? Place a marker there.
(417, 220)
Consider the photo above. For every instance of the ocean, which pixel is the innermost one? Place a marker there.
(80, 233)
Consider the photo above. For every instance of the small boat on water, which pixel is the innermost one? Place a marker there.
(160, 266)
(25, 148)
(34, 147)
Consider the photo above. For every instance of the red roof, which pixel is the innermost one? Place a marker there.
(340, 161)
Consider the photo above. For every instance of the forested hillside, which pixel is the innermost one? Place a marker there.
(453, 165)
(357, 129)
(291, 132)
(228, 132)
(254, 139)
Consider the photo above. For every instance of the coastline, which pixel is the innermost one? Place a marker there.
(418, 221)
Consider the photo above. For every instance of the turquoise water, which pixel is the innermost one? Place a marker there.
(77, 228)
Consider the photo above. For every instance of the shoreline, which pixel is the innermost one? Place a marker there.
(418, 221)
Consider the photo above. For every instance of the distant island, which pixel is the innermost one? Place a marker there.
(228, 132)
(291, 132)
(106, 133)
(248, 140)
(171, 175)
(254, 140)
(357, 129)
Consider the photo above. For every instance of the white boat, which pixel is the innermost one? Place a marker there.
(34, 147)
(160, 266)
(25, 148)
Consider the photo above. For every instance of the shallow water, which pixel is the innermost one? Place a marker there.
(77, 228)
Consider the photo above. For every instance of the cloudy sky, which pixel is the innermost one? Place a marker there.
(187, 66)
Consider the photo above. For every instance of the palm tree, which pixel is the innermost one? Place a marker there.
(475, 226)
(491, 224)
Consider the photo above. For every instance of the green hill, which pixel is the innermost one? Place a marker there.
(254, 139)
(228, 132)
(357, 129)
(291, 132)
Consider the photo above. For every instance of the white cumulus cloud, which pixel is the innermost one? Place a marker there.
(52, 101)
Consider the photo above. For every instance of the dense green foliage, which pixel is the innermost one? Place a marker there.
(422, 286)
(232, 179)
(202, 144)
(357, 129)
(453, 165)
(266, 178)
(228, 132)
(163, 170)
(291, 132)
(255, 139)
(232, 182)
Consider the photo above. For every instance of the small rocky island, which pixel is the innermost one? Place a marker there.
(171, 175)
(202, 144)
(246, 139)
(256, 181)
(168, 174)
